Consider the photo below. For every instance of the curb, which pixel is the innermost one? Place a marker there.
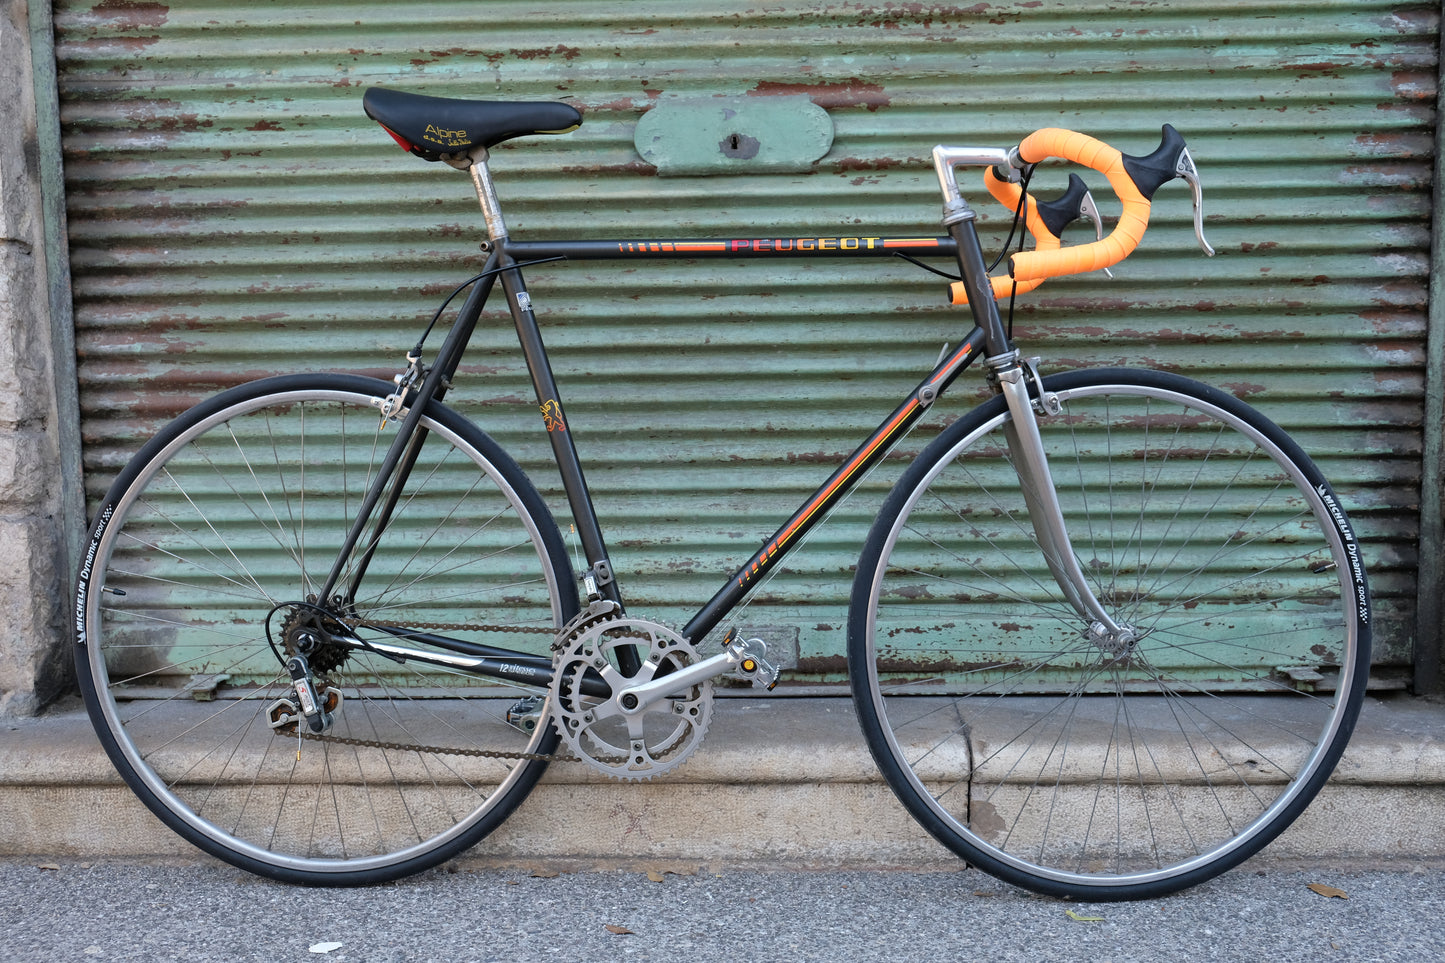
(786, 782)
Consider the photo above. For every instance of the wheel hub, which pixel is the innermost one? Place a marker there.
(1118, 644)
(307, 631)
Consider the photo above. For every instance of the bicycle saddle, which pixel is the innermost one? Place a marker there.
(431, 127)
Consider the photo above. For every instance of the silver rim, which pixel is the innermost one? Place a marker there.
(1068, 763)
(343, 808)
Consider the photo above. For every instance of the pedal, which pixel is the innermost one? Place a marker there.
(526, 714)
(752, 663)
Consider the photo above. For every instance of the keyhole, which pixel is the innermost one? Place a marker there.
(740, 146)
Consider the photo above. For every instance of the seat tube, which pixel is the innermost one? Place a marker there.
(579, 499)
(559, 434)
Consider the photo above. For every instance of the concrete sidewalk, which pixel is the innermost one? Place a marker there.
(781, 782)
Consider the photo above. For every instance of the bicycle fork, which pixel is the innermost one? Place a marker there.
(1012, 377)
(1036, 482)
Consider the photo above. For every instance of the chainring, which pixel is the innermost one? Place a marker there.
(623, 745)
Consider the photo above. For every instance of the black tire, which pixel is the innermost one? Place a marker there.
(228, 520)
(1052, 762)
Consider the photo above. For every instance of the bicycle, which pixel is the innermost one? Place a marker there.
(1108, 634)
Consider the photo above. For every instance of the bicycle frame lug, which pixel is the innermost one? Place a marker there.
(1003, 363)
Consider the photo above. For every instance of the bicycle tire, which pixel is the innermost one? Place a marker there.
(229, 518)
(1090, 772)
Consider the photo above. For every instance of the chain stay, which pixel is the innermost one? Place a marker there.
(597, 611)
(290, 730)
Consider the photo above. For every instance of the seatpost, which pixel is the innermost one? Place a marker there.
(487, 195)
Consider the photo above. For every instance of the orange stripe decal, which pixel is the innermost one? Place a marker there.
(959, 356)
(847, 472)
(912, 242)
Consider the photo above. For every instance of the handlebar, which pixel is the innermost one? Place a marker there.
(1133, 178)
(1045, 220)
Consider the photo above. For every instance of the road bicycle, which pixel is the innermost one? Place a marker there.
(1108, 634)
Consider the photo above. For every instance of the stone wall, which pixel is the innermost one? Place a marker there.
(38, 478)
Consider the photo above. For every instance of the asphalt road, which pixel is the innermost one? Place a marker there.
(197, 912)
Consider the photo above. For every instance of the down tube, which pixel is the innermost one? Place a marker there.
(838, 485)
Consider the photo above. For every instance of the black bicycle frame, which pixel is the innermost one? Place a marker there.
(506, 261)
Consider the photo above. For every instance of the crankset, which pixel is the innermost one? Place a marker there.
(605, 718)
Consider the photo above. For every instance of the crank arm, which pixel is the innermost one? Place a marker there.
(745, 659)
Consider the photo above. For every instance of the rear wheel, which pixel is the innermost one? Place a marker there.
(204, 576)
(1109, 771)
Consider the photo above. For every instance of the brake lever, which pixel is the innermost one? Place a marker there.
(1076, 202)
(1169, 161)
(1185, 168)
(1087, 208)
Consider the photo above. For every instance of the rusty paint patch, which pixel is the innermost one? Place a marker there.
(131, 14)
(822, 664)
(847, 165)
(1243, 389)
(544, 53)
(640, 168)
(106, 45)
(894, 16)
(1395, 324)
(151, 115)
(437, 55)
(853, 92)
(1326, 68)
(265, 125)
(1394, 145)
(1414, 85)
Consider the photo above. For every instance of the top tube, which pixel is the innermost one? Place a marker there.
(860, 245)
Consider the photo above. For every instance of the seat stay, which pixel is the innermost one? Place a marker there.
(405, 447)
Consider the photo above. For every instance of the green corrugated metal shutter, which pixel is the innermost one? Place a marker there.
(233, 214)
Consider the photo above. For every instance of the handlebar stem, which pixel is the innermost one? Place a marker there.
(945, 159)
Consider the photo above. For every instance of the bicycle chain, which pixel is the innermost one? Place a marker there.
(435, 750)
(596, 612)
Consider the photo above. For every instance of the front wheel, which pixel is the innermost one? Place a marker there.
(205, 576)
(1100, 770)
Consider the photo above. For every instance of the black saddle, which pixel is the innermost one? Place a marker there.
(432, 126)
